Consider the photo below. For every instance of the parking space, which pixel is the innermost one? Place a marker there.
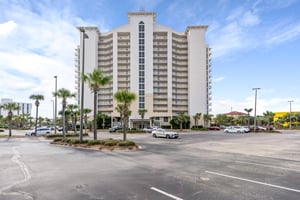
(198, 165)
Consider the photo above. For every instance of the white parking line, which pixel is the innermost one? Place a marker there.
(165, 193)
(268, 166)
(252, 181)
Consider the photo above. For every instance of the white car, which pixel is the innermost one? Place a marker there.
(236, 129)
(164, 133)
(149, 130)
(40, 131)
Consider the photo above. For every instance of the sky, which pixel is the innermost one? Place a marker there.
(255, 44)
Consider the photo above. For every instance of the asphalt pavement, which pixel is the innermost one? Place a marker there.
(199, 165)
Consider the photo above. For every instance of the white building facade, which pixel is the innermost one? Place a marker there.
(169, 71)
(24, 108)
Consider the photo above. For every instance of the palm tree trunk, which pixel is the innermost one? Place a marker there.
(95, 115)
(36, 119)
(85, 123)
(64, 122)
(125, 128)
(9, 128)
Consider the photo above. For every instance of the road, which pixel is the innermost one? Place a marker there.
(199, 165)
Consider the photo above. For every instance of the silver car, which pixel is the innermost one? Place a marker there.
(236, 129)
(40, 131)
(165, 134)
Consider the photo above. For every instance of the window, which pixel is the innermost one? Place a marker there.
(166, 119)
(141, 41)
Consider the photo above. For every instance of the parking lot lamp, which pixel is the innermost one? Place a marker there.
(290, 113)
(255, 106)
(83, 37)
(55, 106)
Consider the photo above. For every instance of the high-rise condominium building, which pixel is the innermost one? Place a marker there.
(169, 71)
(24, 108)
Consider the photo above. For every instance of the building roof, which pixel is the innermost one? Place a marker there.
(235, 113)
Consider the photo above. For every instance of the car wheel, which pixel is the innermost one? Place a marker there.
(168, 137)
(238, 131)
(154, 135)
(32, 134)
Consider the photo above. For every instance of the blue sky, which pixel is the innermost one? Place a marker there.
(255, 43)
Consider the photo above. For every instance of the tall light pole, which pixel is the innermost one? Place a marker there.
(83, 37)
(255, 107)
(53, 111)
(290, 113)
(55, 107)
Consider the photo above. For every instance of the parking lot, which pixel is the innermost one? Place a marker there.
(198, 165)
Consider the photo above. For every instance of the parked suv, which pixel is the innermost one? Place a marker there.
(40, 131)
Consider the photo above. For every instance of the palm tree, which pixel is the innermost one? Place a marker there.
(37, 98)
(73, 108)
(196, 117)
(96, 79)
(181, 119)
(248, 113)
(120, 109)
(10, 107)
(64, 94)
(142, 113)
(269, 116)
(207, 118)
(86, 111)
(125, 98)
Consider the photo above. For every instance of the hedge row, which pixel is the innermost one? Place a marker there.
(106, 142)
(58, 135)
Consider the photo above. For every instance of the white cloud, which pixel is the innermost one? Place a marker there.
(218, 79)
(284, 34)
(42, 46)
(249, 19)
(7, 27)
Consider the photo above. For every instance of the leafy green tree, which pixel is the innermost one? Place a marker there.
(37, 98)
(64, 94)
(10, 107)
(95, 80)
(142, 113)
(222, 119)
(125, 98)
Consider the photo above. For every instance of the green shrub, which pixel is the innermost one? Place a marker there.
(53, 135)
(67, 140)
(126, 143)
(57, 139)
(95, 142)
(112, 142)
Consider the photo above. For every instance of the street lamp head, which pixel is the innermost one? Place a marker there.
(81, 29)
(55, 76)
(255, 88)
